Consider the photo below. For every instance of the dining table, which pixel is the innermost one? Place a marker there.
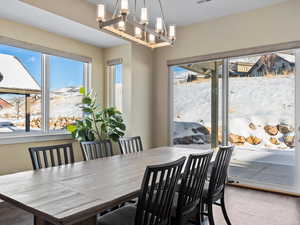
(76, 193)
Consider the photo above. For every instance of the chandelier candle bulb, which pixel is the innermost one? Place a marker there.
(138, 32)
(159, 25)
(136, 28)
(121, 25)
(100, 12)
(151, 39)
(172, 32)
(144, 16)
(124, 7)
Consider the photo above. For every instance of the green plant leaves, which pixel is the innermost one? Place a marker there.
(82, 90)
(106, 123)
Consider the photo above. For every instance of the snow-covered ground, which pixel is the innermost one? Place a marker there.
(64, 106)
(258, 100)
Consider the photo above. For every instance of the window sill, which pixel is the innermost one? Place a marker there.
(29, 138)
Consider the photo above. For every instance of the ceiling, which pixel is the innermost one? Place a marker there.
(179, 12)
(185, 12)
(24, 13)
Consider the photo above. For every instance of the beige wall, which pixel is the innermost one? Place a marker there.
(270, 25)
(137, 76)
(14, 157)
(141, 110)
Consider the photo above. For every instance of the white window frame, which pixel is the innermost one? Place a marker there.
(45, 134)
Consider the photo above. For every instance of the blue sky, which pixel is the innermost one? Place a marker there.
(64, 72)
(177, 69)
(118, 78)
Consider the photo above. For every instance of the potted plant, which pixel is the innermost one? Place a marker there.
(98, 123)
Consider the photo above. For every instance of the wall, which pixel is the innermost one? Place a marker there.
(142, 76)
(15, 157)
(137, 76)
(271, 25)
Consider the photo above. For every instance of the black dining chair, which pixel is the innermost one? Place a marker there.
(190, 193)
(155, 198)
(214, 189)
(50, 156)
(96, 149)
(130, 145)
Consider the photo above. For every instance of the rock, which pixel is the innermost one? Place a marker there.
(285, 128)
(236, 139)
(193, 139)
(201, 129)
(253, 140)
(274, 141)
(289, 141)
(252, 126)
(271, 130)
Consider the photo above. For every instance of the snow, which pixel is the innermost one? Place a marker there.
(12, 70)
(288, 57)
(260, 100)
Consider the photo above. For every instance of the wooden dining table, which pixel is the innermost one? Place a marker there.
(76, 193)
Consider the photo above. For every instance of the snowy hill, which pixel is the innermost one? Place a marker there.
(260, 101)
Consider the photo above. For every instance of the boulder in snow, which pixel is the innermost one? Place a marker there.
(271, 130)
(253, 140)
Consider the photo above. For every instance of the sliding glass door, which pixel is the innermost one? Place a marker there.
(254, 98)
(262, 119)
(196, 89)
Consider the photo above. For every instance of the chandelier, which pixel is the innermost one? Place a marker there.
(125, 24)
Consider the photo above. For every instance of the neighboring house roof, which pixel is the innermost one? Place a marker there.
(16, 78)
(4, 104)
(249, 59)
(287, 57)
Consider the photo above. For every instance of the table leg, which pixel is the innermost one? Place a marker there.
(90, 221)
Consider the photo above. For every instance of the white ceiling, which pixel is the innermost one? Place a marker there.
(185, 12)
(23, 13)
(179, 12)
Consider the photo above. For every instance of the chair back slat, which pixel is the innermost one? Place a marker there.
(192, 183)
(130, 145)
(45, 159)
(40, 156)
(52, 159)
(220, 170)
(96, 149)
(157, 193)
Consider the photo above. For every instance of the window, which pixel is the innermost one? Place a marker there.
(66, 78)
(39, 93)
(115, 79)
(20, 90)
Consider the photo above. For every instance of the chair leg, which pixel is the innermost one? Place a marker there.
(200, 215)
(224, 211)
(210, 213)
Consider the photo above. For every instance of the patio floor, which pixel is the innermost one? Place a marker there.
(271, 169)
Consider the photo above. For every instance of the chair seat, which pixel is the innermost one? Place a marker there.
(122, 216)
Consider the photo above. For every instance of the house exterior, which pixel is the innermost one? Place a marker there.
(273, 64)
(4, 104)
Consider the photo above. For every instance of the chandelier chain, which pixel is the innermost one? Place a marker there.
(163, 15)
(116, 8)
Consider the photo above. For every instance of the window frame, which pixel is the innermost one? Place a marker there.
(45, 134)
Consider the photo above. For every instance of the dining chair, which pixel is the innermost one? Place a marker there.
(154, 204)
(130, 145)
(96, 149)
(214, 189)
(50, 156)
(190, 193)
